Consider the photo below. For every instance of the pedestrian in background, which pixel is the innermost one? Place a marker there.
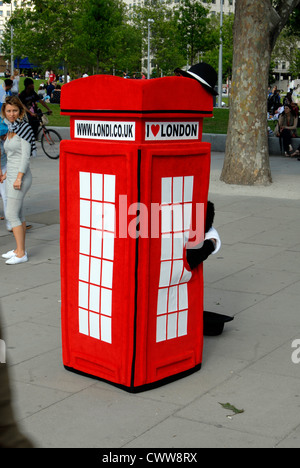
(18, 146)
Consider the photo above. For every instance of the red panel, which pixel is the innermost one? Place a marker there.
(135, 97)
(176, 354)
(82, 352)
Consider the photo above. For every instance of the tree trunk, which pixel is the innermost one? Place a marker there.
(256, 28)
(247, 155)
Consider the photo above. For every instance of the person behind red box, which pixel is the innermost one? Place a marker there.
(211, 244)
(213, 323)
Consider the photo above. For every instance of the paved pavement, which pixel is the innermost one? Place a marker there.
(255, 277)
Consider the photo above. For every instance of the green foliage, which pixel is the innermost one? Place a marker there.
(98, 36)
(193, 28)
(212, 54)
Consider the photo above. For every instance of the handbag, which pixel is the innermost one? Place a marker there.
(3, 127)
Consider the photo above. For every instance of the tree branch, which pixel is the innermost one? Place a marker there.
(279, 16)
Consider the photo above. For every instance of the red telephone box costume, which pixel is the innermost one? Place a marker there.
(132, 311)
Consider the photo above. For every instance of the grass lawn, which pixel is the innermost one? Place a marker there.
(218, 123)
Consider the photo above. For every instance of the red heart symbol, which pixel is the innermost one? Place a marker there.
(155, 129)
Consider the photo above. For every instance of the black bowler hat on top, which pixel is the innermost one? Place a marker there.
(204, 73)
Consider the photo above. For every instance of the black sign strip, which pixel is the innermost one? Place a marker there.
(136, 271)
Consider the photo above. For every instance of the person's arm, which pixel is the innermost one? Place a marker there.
(292, 127)
(24, 164)
(197, 256)
(280, 123)
(45, 105)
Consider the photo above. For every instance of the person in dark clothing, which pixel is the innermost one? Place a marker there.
(30, 99)
(213, 323)
(274, 101)
(211, 243)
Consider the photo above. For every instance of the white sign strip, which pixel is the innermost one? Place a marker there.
(155, 131)
(104, 130)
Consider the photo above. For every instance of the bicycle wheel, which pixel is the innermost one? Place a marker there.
(50, 143)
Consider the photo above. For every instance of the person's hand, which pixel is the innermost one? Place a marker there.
(17, 184)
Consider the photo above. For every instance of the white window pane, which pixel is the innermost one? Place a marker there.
(173, 299)
(85, 213)
(166, 191)
(96, 248)
(84, 268)
(97, 215)
(172, 326)
(166, 219)
(84, 241)
(83, 295)
(109, 188)
(165, 274)
(188, 189)
(109, 217)
(84, 185)
(95, 271)
(182, 323)
(183, 296)
(177, 218)
(187, 275)
(107, 274)
(108, 245)
(106, 301)
(97, 182)
(177, 189)
(161, 331)
(162, 302)
(106, 329)
(178, 246)
(187, 216)
(94, 298)
(177, 271)
(166, 247)
(95, 325)
(83, 322)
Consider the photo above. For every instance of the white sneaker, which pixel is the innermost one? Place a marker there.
(9, 254)
(16, 260)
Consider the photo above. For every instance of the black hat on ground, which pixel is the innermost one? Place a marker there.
(213, 324)
(204, 73)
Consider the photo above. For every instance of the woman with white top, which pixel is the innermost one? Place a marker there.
(18, 146)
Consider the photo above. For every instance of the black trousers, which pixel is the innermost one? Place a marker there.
(34, 123)
(286, 137)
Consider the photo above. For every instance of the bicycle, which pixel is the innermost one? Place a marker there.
(50, 139)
